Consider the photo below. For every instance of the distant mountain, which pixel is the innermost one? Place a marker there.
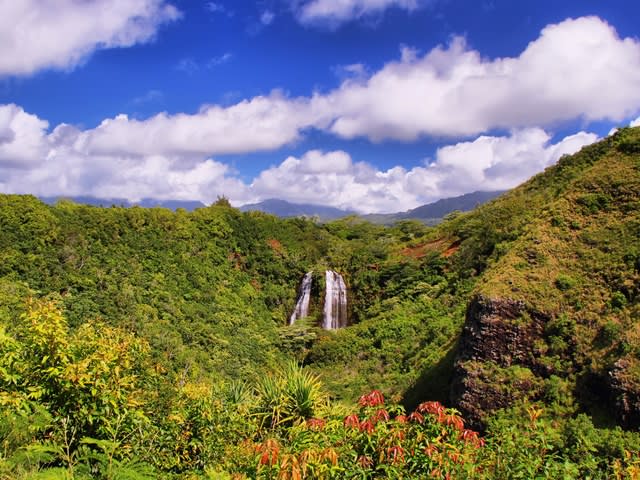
(282, 208)
(433, 213)
(188, 205)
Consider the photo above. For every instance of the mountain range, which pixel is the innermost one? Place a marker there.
(430, 214)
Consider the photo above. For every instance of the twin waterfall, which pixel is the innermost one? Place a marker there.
(335, 301)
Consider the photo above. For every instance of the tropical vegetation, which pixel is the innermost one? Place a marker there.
(145, 343)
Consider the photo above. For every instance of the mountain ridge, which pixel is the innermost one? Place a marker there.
(188, 205)
(430, 213)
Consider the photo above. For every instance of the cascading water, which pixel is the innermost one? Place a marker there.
(304, 295)
(335, 302)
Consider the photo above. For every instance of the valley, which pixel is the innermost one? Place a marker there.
(503, 342)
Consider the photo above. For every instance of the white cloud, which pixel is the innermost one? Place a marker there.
(34, 161)
(37, 34)
(450, 91)
(65, 162)
(447, 92)
(22, 137)
(491, 163)
(334, 12)
(487, 163)
(635, 123)
(262, 123)
(333, 179)
(567, 73)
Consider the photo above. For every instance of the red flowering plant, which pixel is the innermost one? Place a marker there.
(431, 441)
(376, 441)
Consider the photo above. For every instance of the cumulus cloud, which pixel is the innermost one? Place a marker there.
(65, 162)
(35, 161)
(37, 34)
(487, 163)
(332, 178)
(262, 123)
(566, 73)
(451, 91)
(334, 12)
(491, 163)
(22, 137)
(635, 123)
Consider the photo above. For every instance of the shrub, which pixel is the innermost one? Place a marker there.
(565, 282)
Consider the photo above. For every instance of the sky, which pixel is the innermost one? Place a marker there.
(368, 105)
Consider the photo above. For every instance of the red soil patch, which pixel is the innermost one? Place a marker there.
(275, 245)
(441, 245)
(420, 251)
(413, 252)
(453, 248)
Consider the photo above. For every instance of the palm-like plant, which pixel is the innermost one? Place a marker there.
(272, 402)
(291, 395)
(303, 391)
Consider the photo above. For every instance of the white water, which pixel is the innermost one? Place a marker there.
(304, 295)
(335, 303)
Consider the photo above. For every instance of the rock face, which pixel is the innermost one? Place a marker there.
(497, 361)
(500, 360)
(625, 393)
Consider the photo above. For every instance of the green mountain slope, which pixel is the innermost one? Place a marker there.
(560, 267)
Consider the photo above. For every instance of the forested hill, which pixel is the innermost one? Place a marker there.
(145, 343)
(207, 289)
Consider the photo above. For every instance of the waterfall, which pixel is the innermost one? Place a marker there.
(335, 302)
(304, 295)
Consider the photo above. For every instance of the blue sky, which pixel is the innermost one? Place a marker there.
(373, 105)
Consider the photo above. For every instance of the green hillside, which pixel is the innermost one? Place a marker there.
(146, 343)
(572, 264)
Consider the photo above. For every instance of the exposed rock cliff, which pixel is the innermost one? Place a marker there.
(624, 386)
(498, 357)
(501, 359)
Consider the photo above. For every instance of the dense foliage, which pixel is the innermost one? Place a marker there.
(145, 343)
